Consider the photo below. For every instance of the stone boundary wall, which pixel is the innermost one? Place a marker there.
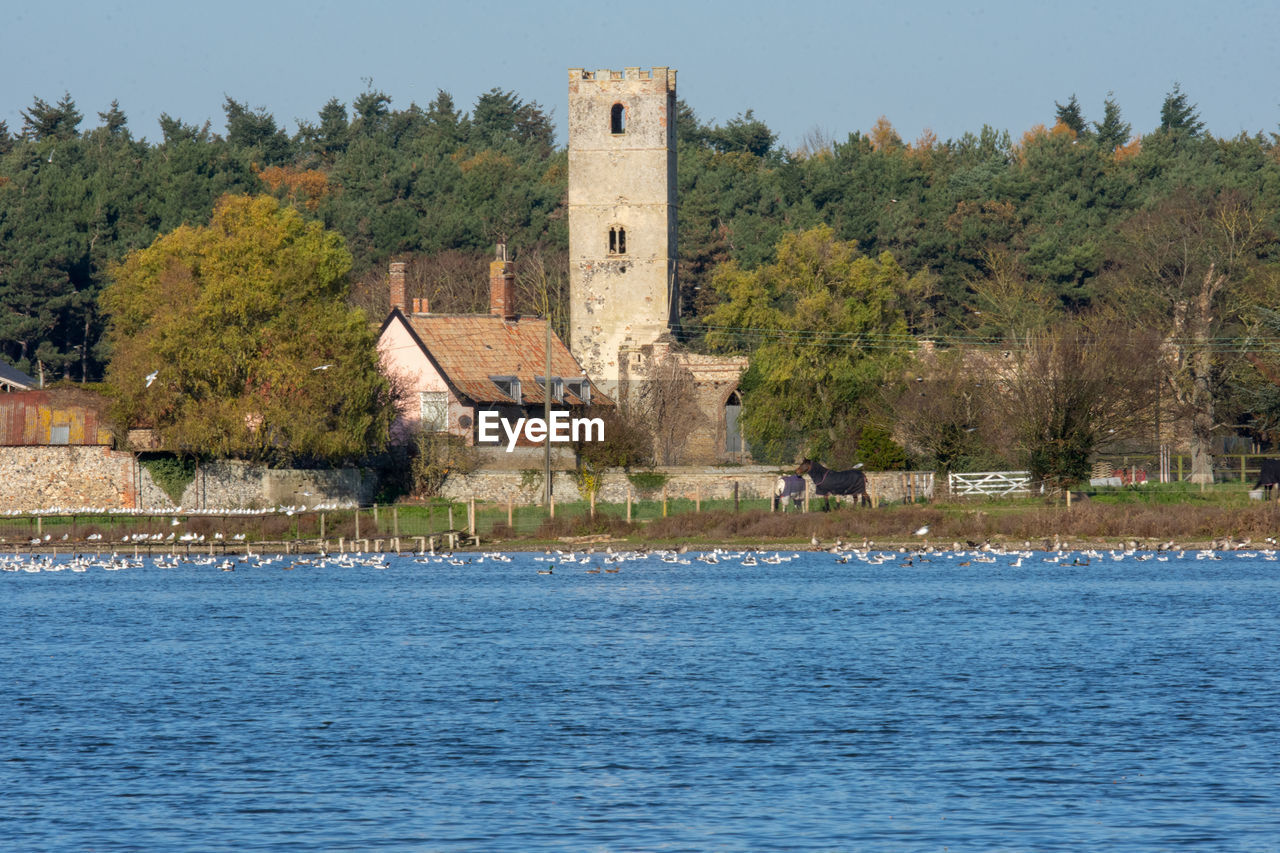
(52, 477)
(73, 477)
(711, 482)
(230, 484)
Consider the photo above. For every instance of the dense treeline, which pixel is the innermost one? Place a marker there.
(996, 236)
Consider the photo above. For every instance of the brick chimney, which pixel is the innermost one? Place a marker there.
(398, 299)
(502, 285)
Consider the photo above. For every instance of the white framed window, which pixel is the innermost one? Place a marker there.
(434, 410)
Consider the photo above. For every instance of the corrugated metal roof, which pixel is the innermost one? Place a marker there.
(53, 417)
(471, 349)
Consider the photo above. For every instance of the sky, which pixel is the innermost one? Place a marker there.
(817, 69)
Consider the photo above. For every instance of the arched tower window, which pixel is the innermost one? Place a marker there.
(618, 119)
(617, 240)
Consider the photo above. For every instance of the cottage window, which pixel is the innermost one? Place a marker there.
(618, 119)
(434, 410)
(60, 435)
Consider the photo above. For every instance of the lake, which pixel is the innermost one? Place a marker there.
(807, 704)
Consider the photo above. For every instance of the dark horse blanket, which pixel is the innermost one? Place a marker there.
(1269, 475)
(789, 489)
(827, 482)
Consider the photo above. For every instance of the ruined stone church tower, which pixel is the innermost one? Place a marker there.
(622, 215)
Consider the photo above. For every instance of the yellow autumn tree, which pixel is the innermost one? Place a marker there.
(234, 340)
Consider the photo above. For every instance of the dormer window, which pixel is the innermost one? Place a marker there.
(557, 388)
(508, 385)
(618, 119)
(617, 240)
(579, 388)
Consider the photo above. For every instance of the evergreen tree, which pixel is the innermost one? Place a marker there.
(43, 121)
(255, 131)
(745, 133)
(1069, 115)
(1112, 131)
(114, 120)
(1178, 114)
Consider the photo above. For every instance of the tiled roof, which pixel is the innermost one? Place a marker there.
(11, 375)
(471, 348)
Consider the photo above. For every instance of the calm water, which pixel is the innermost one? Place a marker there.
(811, 705)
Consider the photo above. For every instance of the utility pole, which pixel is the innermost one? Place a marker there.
(546, 396)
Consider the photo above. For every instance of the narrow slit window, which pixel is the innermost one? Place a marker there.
(618, 119)
(617, 240)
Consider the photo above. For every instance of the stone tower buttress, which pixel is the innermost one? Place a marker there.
(622, 214)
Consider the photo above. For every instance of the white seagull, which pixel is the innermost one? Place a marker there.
(923, 531)
(151, 377)
(322, 367)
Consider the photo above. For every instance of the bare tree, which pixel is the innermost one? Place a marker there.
(668, 402)
(1073, 387)
(946, 411)
(1179, 263)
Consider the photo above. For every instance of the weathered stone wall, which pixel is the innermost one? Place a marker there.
(71, 477)
(66, 477)
(711, 483)
(239, 485)
(621, 178)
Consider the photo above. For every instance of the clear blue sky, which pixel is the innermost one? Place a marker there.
(818, 65)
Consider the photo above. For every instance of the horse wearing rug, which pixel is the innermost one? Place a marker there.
(789, 490)
(827, 482)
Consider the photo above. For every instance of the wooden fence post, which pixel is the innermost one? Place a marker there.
(511, 514)
(664, 500)
(395, 522)
(628, 504)
(471, 517)
(736, 505)
(592, 493)
(697, 498)
(357, 521)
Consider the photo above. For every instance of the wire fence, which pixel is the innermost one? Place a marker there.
(1145, 467)
(400, 527)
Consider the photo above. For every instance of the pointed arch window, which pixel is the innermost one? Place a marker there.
(617, 240)
(618, 119)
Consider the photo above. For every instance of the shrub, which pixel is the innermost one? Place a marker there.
(436, 455)
(171, 473)
(647, 481)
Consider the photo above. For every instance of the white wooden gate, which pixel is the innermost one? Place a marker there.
(990, 483)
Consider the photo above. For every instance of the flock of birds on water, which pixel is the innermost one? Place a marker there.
(609, 561)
